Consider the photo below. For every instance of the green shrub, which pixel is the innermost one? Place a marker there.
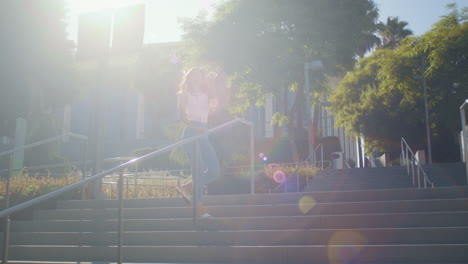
(141, 191)
(271, 177)
(24, 187)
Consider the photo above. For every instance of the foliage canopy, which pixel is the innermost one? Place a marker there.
(382, 97)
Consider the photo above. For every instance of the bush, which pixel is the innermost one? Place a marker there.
(274, 175)
(110, 191)
(24, 187)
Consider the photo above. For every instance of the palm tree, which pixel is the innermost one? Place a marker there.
(393, 32)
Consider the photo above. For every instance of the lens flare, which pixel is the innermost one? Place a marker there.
(306, 204)
(279, 176)
(174, 59)
(261, 155)
(339, 252)
(271, 168)
(265, 158)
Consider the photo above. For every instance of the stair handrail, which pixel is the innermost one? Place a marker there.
(9, 172)
(97, 176)
(35, 144)
(321, 155)
(7, 212)
(406, 160)
(299, 165)
(302, 164)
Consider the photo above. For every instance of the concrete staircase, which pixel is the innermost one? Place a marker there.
(361, 179)
(442, 174)
(358, 226)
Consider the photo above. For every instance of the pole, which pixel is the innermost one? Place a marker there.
(120, 237)
(85, 158)
(6, 231)
(426, 111)
(136, 178)
(465, 136)
(308, 110)
(252, 162)
(98, 117)
(195, 183)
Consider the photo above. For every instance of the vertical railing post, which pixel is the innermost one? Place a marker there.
(120, 221)
(419, 173)
(6, 231)
(297, 179)
(252, 161)
(135, 195)
(321, 156)
(195, 177)
(407, 161)
(402, 158)
(419, 177)
(85, 157)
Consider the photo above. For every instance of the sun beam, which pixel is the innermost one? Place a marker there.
(83, 6)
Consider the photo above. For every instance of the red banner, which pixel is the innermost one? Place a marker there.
(312, 132)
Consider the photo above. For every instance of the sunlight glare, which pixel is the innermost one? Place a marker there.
(279, 176)
(306, 204)
(83, 6)
(339, 252)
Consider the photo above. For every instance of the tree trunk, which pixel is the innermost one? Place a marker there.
(292, 125)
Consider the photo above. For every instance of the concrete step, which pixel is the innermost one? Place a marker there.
(394, 176)
(447, 174)
(437, 219)
(335, 186)
(282, 198)
(371, 236)
(360, 253)
(306, 206)
(388, 180)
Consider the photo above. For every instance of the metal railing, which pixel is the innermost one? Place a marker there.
(9, 172)
(284, 183)
(134, 180)
(120, 168)
(464, 135)
(298, 166)
(321, 161)
(408, 159)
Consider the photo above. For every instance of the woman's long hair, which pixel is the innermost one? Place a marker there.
(187, 78)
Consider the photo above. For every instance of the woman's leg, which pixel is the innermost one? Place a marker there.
(210, 160)
(190, 151)
(208, 165)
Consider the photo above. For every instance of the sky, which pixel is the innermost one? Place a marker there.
(420, 14)
(162, 15)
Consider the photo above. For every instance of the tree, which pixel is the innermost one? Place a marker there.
(392, 32)
(36, 69)
(264, 44)
(382, 97)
